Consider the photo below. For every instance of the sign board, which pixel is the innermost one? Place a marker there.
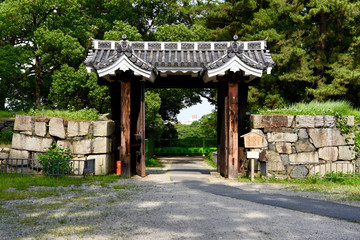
(252, 154)
(253, 140)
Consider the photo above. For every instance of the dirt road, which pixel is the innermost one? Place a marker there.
(181, 201)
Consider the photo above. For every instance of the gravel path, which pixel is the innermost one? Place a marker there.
(164, 206)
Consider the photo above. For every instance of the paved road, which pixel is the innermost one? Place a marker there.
(268, 215)
(189, 172)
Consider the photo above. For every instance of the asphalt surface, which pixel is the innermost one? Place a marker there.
(189, 173)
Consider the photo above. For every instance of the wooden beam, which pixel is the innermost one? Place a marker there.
(233, 131)
(125, 155)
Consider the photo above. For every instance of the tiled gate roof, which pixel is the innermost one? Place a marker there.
(205, 59)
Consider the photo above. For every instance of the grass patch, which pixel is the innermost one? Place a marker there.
(209, 159)
(17, 186)
(83, 114)
(347, 189)
(124, 186)
(153, 162)
(342, 108)
(7, 114)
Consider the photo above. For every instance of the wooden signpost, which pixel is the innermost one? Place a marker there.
(252, 140)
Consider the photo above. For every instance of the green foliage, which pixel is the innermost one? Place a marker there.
(209, 159)
(189, 131)
(119, 28)
(82, 114)
(180, 32)
(335, 108)
(56, 160)
(208, 125)
(6, 114)
(153, 162)
(6, 137)
(154, 124)
(77, 89)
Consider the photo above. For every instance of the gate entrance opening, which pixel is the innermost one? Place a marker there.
(128, 67)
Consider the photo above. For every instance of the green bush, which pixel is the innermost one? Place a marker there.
(56, 160)
(6, 137)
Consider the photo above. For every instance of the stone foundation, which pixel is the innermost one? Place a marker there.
(297, 145)
(86, 139)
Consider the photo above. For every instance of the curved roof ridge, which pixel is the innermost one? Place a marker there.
(191, 58)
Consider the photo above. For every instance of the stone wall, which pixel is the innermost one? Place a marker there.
(292, 142)
(86, 139)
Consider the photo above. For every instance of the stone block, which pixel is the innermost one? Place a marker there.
(78, 166)
(101, 145)
(102, 163)
(76, 129)
(334, 167)
(302, 134)
(64, 144)
(271, 121)
(326, 137)
(4, 155)
(351, 120)
(283, 147)
(305, 121)
(285, 159)
(329, 153)
(329, 121)
(82, 146)
(273, 160)
(40, 129)
(345, 153)
(56, 128)
(303, 145)
(23, 123)
(319, 121)
(30, 143)
(35, 163)
(103, 128)
(304, 157)
(17, 155)
(299, 171)
(282, 137)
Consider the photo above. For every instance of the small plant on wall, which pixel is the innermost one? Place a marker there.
(56, 160)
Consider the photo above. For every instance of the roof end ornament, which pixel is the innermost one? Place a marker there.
(235, 46)
(124, 45)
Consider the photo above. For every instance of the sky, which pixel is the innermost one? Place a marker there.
(199, 110)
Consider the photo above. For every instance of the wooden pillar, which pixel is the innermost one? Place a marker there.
(232, 128)
(140, 164)
(115, 90)
(223, 126)
(243, 96)
(125, 155)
